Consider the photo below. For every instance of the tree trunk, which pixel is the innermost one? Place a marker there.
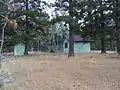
(118, 35)
(26, 32)
(26, 47)
(1, 46)
(102, 28)
(2, 39)
(103, 46)
(71, 33)
(117, 21)
(118, 41)
(71, 44)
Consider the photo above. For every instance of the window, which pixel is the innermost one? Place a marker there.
(66, 45)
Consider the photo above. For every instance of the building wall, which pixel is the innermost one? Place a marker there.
(78, 47)
(19, 49)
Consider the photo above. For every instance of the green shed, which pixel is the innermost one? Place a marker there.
(19, 49)
(80, 45)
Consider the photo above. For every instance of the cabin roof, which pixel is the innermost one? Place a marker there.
(78, 38)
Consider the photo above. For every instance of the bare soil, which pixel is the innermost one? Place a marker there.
(87, 71)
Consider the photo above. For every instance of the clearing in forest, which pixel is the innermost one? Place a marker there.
(90, 71)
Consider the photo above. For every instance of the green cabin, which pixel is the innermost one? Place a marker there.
(19, 49)
(81, 45)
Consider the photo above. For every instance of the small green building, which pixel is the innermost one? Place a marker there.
(80, 45)
(19, 49)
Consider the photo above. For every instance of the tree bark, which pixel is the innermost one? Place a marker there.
(1, 47)
(103, 46)
(26, 47)
(71, 33)
(2, 42)
(26, 32)
(71, 44)
(102, 27)
(118, 40)
(117, 22)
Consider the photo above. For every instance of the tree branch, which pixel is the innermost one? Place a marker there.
(3, 2)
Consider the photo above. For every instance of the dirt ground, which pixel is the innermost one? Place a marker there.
(90, 71)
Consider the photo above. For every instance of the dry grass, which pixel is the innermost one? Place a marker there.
(90, 71)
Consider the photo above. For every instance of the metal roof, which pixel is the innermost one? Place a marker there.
(78, 38)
